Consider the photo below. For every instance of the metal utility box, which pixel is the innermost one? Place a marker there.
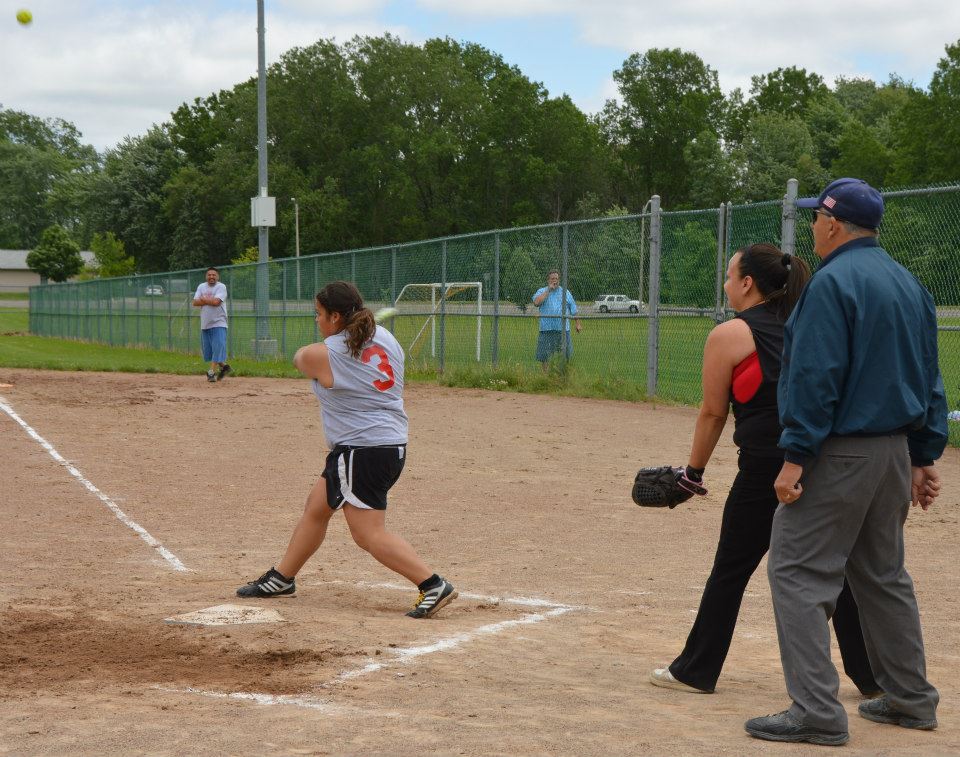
(263, 211)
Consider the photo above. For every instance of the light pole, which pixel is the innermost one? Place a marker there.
(296, 226)
(263, 208)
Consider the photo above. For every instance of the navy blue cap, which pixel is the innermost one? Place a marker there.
(850, 200)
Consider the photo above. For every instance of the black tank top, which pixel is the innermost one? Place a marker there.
(753, 391)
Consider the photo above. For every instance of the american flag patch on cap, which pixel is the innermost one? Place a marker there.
(828, 202)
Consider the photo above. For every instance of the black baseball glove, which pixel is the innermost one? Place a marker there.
(664, 487)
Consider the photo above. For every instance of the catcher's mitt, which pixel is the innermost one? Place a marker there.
(664, 487)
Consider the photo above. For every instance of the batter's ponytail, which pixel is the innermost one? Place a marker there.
(344, 298)
(360, 329)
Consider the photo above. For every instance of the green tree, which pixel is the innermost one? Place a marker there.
(734, 119)
(57, 257)
(857, 96)
(112, 258)
(825, 119)
(862, 154)
(607, 258)
(787, 91)
(128, 197)
(669, 97)
(519, 278)
(688, 263)
(382, 141)
(42, 167)
(249, 255)
(927, 128)
(713, 174)
(777, 148)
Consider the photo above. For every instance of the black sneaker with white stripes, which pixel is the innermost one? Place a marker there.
(270, 584)
(432, 599)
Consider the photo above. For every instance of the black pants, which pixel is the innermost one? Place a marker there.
(744, 540)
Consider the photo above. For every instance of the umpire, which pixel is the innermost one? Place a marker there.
(864, 415)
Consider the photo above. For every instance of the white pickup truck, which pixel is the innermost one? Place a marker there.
(616, 303)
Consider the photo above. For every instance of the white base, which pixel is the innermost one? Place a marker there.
(226, 615)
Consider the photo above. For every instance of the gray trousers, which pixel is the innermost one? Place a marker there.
(850, 517)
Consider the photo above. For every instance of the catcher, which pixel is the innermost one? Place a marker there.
(741, 366)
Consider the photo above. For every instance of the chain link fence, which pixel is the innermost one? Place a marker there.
(647, 288)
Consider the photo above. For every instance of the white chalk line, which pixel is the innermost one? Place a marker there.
(311, 703)
(406, 655)
(167, 555)
(403, 655)
(522, 601)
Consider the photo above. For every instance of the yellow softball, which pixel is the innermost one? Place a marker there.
(24, 16)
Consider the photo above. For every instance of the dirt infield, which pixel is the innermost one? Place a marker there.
(570, 593)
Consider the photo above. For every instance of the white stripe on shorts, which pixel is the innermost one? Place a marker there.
(345, 473)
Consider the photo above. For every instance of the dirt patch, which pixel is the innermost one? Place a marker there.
(512, 497)
(46, 651)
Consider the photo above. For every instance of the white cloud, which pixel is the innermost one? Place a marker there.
(115, 73)
(741, 38)
(499, 8)
(114, 68)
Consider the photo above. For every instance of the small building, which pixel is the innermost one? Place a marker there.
(16, 276)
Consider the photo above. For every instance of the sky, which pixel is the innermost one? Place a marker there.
(114, 68)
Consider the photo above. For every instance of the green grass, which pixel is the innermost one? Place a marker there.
(609, 360)
(15, 296)
(19, 349)
(609, 357)
(13, 320)
(46, 353)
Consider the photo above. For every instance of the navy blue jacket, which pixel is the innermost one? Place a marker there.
(860, 357)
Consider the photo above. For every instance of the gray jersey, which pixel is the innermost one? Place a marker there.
(364, 407)
(212, 315)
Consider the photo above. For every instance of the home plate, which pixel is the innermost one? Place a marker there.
(226, 615)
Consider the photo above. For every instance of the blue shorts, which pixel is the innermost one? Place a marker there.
(549, 342)
(214, 344)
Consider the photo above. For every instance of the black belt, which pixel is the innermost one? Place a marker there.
(902, 431)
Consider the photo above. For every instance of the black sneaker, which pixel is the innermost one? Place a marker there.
(881, 711)
(270, 584)
(431, 600)
(211, 377)
(783, 727)
(224, 370)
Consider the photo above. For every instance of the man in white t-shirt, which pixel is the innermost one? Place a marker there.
(211, 298)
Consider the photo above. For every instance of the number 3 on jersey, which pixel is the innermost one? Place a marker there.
(383, 365)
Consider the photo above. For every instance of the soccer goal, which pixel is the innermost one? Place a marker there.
(454, 298)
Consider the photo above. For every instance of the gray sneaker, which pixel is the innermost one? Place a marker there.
(664, 678)
(880, 710)
(211, 377)
(783, 727)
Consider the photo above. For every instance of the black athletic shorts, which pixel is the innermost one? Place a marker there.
(362, 476)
